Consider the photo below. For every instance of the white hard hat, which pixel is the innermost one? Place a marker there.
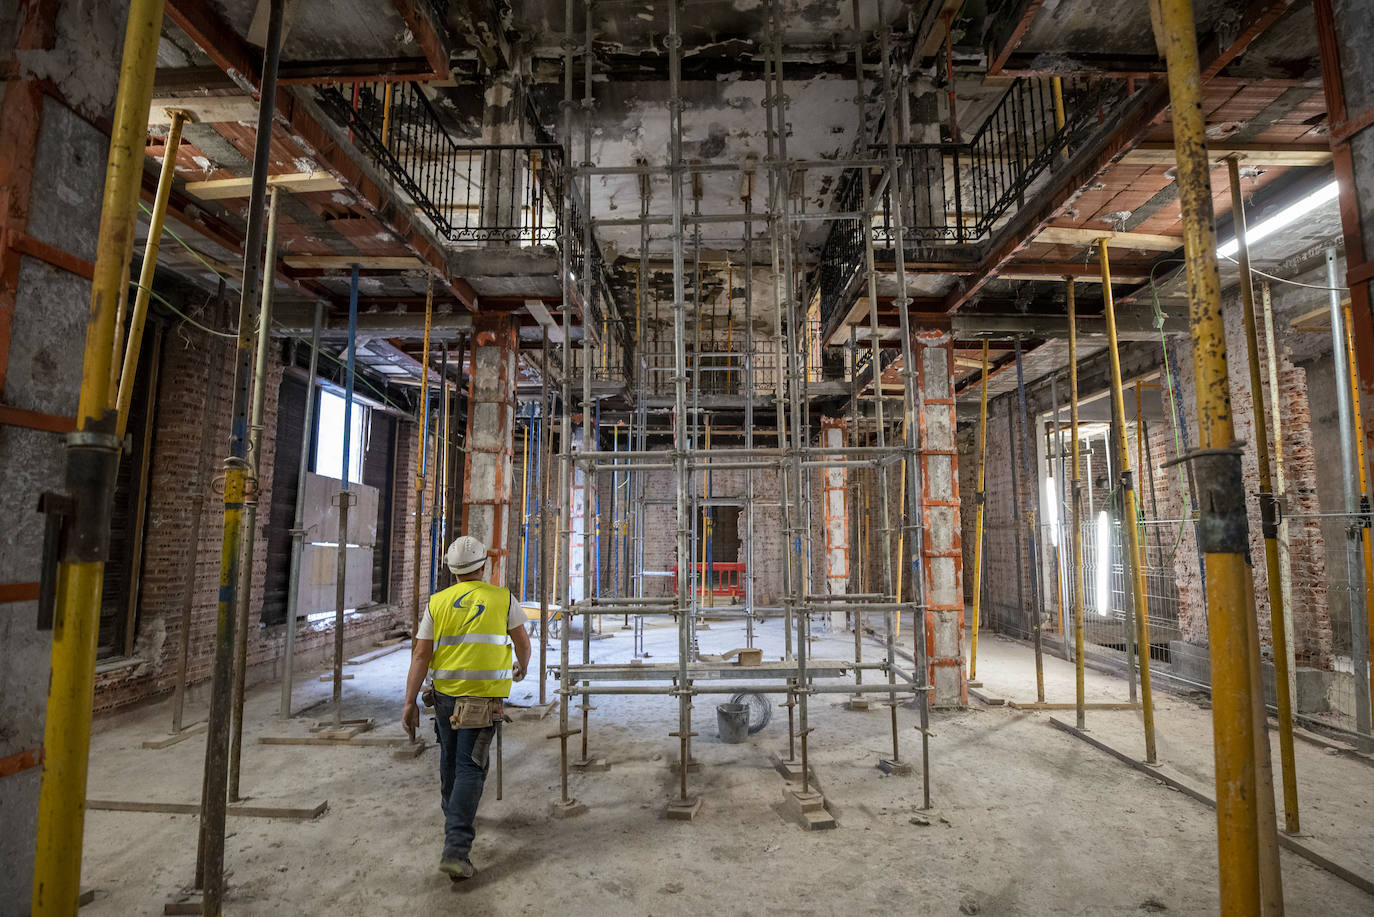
(466, 555)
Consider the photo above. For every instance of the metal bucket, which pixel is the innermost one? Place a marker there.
(732, 723)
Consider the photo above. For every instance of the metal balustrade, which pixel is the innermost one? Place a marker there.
(470, 192)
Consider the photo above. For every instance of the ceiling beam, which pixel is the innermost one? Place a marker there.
(1258, 154)
(203, 109)
(426, 33)
(305, 123)
(1140, 241)
(345, 262)
(300, 182)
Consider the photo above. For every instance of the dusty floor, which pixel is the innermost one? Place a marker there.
(1026, 819)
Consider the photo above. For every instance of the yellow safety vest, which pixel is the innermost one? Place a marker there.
(472, 652)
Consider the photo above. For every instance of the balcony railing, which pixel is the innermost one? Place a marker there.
(470, 192)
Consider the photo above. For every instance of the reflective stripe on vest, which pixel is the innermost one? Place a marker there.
(472, 652)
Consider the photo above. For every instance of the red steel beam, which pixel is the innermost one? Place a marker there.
(21, 115)
(1356, 255)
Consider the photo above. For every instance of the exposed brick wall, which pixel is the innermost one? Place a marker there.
(183, 389)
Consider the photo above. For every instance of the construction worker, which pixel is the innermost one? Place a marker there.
(462, 641)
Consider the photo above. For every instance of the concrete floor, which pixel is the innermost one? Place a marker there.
(1026, 819)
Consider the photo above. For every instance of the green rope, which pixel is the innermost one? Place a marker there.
(234, 334)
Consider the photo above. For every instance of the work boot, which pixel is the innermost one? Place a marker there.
(456, 867)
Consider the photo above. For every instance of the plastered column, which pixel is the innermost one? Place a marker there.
(490, 440)
(942, 558)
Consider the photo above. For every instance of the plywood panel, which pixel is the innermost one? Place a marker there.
(321, 519)
(318, 585)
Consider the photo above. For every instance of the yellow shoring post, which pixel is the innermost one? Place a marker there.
(1223, 527)
(1364, 488)
(1128, 508)
(145, 275)
(978, 519)
(386, 114)
(92, 454)
(420, 430)
(1076, 512)
(1269, 516)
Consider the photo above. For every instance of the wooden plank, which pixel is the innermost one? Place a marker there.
(194, 729)
(344, 262)
(1053, 705)
(1258, 154)
(35, 420)
(374, 654)
(361, 741)
(191, 808)
(1143, 241)
(223, 188)
(329, 676)
(204, 109)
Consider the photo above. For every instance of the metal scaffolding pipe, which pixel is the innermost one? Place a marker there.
(298, 519)
(1354, 549)
(1223, 530)
(1130, 517)
(345, 497)
(250, 510)
(210, 863)
(1269, 518)
(1077, 506)
(421, 455)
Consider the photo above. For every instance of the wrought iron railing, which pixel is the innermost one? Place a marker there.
(960, 192)
(470, 192)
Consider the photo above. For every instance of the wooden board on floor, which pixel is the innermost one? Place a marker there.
(191, 808)
(360, 741)
(374, 654)
(986, 699)
(194, 729)
(1308, 848)
(1096, 705)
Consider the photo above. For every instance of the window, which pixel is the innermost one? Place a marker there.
(329, 438)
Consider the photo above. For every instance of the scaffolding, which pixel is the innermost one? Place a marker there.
(692, 459)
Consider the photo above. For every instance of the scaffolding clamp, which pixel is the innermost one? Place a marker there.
(1222, 526)
(57, 509)
(1271, 514)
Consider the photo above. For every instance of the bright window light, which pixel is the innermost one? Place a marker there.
(329, 438)
(1290, 214)
(1052, 506)
(1104, 564)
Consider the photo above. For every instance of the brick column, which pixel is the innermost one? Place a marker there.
(835, 517)
(942, 558)
(490, 439)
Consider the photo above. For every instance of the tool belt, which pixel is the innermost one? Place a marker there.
(475, 712)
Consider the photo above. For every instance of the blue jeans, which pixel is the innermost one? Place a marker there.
(464, 757)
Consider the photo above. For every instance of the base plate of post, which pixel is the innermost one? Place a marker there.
(539, 711)
(590, 765)
(406, 753)
(790, 769)
(894, 768)
(807, 808)
(684, 809)
(859, 702)
(188, 902)
(570, 809)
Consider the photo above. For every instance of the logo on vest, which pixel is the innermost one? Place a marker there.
(479, 609)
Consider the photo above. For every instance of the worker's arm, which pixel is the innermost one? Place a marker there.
(521, 638)
(420, 657)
